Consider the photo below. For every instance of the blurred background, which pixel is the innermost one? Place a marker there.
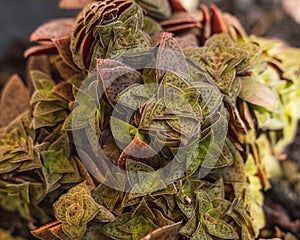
(18, 19)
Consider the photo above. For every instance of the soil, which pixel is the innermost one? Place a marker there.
(261, 17)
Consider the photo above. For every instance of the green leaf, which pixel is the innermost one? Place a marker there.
(151, 26)
(190, 227)
(235, 172)
(90, 207)
(7, 166)
(219, 228)
(74, 232)
(200, 233)
(138, 226)
(74, 214)
(104, 214)
(112, 229)
(56, 161)
(222, 205)
(81, 188)
(121, 130)
(42, 81)
(106, 196)
(159, 9)
(217, 190)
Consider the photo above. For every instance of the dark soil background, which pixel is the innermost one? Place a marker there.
(261, 17)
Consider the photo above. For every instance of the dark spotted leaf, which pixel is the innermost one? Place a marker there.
(169, 57)
(115, 80)
(190, 227)
(200, 233)
(219, 228)
(14, 100)
(112, 229)
(74, 232)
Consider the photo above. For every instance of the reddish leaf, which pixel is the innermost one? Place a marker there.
(156, 38)
(234, 25)
(44, 232)
(177, 6)
(180, 22)
(40, 49)
(53, 29)
(169, 57)
(187, 42)
(39, 63)
(217, 21)
(58, 232)
(74, 4)
(63, 46)
(182, 27)
(137, 150)
(115, 79)
(64, 90)
(14, 100)
(206, 22)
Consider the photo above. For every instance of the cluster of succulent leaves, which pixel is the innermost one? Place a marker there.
(187, 90)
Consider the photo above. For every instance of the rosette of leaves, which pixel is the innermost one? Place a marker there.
(204, 206)
(107, 29)
(75, 209)
(50, 108)
(137, 213)
(20, 157)
(224, 62)
(233, 74)
(170, 108)
(166, 111)
(140, 222)
(21, 190)
(17, 148)
(78, 216)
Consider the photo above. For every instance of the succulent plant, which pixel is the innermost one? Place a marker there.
(75, 209)
(144, 121)
(224, 62)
